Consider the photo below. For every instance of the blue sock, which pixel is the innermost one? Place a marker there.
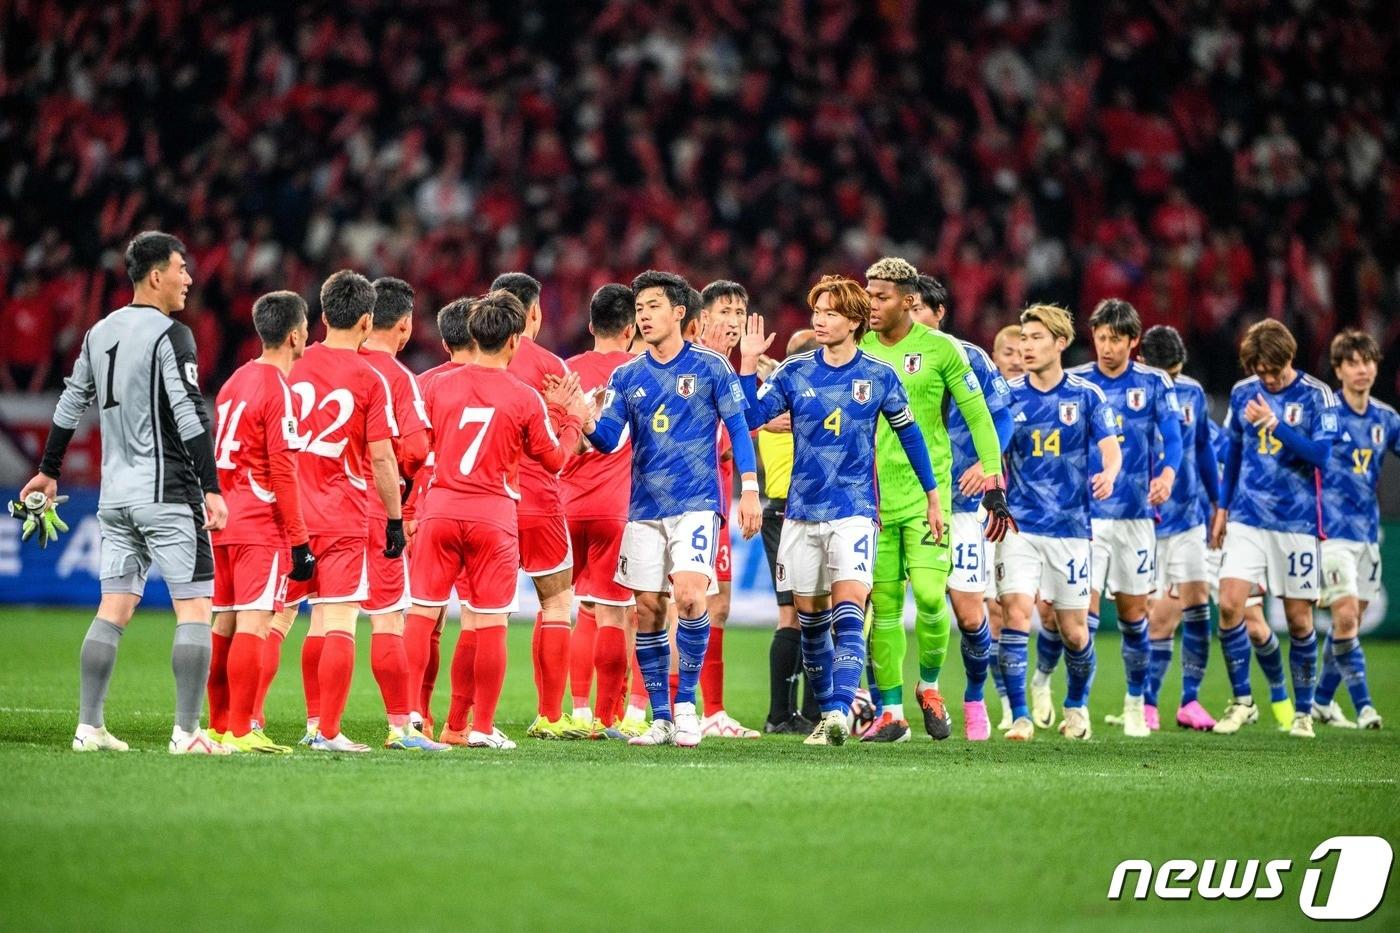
(1013, 660)
(1135, 653)
(692, 638)
(1159, 660)
(818, 655)
(848, 627)
(1048, 648)
(1234, 643)
(1271, 662)
(995, 663)
(1331, 675)
(1195, 649)
(1302, 664)
(976, 654)
(1079, 666)
(654, 660)
(1350, 662)
(1093, 622)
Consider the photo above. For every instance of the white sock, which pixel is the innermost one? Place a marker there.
(1039, 679)
(583, 713)
(895, 709)
(634, 714)
(925, 685)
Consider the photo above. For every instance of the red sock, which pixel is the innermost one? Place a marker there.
(267, 672)
(417, 648)
(311, 649)
(463, 681)
(554, 667)
(218, 683)
(637, 692)
(390, 666)
(490, 675)
(581, 658)
(430, 674)
(675, 684)
(712, 673)
(535, 653)
(610, 658)
(337, 667)
(244, 672)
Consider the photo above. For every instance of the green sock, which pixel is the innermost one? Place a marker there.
(888, 641)
(932, 622)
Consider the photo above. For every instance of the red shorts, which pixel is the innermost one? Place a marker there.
(724, 564)
(388, 577)
(597, 542)
(251, 577)
(482, 560)
(341, 576)
(544, 544)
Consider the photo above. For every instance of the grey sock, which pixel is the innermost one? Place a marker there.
(189, 659)
(95, 662)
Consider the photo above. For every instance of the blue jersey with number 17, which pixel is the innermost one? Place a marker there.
(1048, 460)
(1349, 508)
(672, 412)
(998, 396)
(834, 413)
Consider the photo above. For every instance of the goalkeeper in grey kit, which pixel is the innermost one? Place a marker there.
(160, 490)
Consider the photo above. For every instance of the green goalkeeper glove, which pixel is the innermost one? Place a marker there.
(39, 514)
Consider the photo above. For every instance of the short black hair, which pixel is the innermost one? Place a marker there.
(611, 310)
(277, 314)
(346, 297)
(932, 292)
(494, 318)
(524, 287)
(150, 250)
(452, 325)
(674, 287)
(693, 304)
(1162, 347)
(722, 288)
(393, 301)
(1118, 315)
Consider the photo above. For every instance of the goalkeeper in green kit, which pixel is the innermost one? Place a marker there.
(934, 369)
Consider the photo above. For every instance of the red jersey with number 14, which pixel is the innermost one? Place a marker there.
(539, 488)
(596, 485)
(343, 408)
(256, 423)
(486, 421)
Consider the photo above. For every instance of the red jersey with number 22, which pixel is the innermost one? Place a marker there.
(539, 488)
(343, 408)
(596, 485)
(256, 422)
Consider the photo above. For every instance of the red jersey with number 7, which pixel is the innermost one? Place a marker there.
(485, 421)
(256, 423)
(343, 408)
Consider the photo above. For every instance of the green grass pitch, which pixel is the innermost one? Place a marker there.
(765, 835)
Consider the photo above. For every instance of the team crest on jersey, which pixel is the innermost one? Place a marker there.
(685, 385)
(861, 390)
(1377, 435)
(913, 362)
(1137, 399)
(1293, 414)
(1188, 414)
(1069, 412)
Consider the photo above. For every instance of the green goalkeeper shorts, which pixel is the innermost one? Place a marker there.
(909, 545)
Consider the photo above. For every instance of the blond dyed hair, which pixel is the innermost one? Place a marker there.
(1006, 334)
(894, 269)
(1058, 321)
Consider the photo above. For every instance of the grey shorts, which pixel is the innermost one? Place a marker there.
(170, 534)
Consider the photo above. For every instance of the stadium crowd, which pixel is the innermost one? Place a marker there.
(1213, 162)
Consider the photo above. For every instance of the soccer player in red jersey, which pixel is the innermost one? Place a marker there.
(488, 421)
(544, 533)
(255, 453)
(596, 489)
(347, 422)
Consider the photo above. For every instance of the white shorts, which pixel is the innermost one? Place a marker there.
(1059, 569)
(814, 555)
(991, 591)
(1283, 563)
(1350, 568)
(1181, 558)
(1125, 550)
(653, 550)
(970, 573)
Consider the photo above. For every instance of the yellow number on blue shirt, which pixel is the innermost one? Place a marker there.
(1050, 444)
(1268, 444)
(833, 422)
(1361, 459)
(659, 422)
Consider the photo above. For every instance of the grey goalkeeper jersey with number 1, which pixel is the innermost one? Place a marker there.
(140, 368)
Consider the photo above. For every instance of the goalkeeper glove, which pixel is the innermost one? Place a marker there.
(393, 538)
(39, 515)
(999, 517)
(303, 564)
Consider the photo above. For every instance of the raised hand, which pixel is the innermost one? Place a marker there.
(754, 342)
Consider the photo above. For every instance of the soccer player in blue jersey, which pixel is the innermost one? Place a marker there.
(1183, 588)
(1059, 419)
(836, 395)
(1125, 541)
(1351, 557)
(1282, 425)
(971, 572)
(671, 400)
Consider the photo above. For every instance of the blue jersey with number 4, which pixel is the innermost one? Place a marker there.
(1143, 401)
(834, 413)
(1349, 507)
(998, 396)
(1048, 460)
(672, 411)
